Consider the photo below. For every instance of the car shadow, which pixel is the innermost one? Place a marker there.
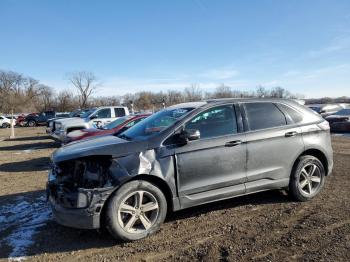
(31, 165)
(31, 146)
(54, 238)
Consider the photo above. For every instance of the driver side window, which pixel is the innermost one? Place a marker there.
(214, 122)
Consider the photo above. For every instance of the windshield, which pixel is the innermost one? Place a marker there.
(87, 113)
(116, 123)
(154, 124)
(343, 112)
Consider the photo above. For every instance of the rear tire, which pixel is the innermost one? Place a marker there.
(307, 178)
(135, 211)
(5, 125)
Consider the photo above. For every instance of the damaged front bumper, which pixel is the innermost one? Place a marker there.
(78, 208)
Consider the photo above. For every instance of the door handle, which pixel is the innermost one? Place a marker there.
(233, 143)
(290, 134)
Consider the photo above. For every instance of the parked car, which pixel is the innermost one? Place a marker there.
(325, 109)
(114, 128)
(340, 121)
(5, 122)
(50, 127)
(39, 119)
(92, 118)
(20, 120)
(187, 155)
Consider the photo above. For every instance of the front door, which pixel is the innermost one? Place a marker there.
(212, 167)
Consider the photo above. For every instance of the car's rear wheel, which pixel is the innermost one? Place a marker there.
(136, 211)
(5, 125)
(307, 178)
(31, 123)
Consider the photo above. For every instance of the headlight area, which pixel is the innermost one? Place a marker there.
(80, 184)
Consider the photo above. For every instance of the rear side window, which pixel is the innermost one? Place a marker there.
(294, 115)
(214, 122)
(119, 112)
(264, 115)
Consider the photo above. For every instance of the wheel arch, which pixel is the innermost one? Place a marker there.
(160, 183)
(315, 153)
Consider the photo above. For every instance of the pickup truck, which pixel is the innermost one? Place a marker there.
(95, 117)
(39, 119)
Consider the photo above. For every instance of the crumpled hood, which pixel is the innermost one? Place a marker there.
(103, 145)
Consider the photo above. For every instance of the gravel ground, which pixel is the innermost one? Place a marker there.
(260, 227)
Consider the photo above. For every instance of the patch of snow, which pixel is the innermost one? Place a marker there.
(22, 219)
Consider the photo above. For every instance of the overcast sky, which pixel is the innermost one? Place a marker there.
(303, 46)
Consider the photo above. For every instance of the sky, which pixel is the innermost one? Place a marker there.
(303, 46)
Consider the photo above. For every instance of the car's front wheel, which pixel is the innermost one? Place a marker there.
(31, 123)
(136, 211)
(307, 178)
(5, 125)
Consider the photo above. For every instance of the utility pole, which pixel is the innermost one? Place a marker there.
(12, 126)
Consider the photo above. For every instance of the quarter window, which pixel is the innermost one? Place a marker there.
(263, 115)
(217, 121)
(294, 115)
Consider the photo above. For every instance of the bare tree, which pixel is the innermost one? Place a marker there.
(193, 93)
(222, 91)
(86, 84)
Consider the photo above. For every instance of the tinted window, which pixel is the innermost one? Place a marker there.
(119, 112)
(296, 116)
(217, 121)
(104, 113)
(264, 115)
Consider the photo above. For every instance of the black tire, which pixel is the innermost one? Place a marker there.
(298, 178)
(5, 125)
(31, 123)
(114, 219)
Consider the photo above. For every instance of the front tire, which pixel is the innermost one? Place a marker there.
(5, 125)
(31, 123)
(136, 210)
(307, 178)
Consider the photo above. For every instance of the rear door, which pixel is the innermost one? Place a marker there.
(274, 141)
(212, 167)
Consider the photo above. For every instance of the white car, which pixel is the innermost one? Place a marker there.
(6, 122)
(96, 117)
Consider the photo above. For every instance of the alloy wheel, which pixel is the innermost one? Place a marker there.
(310, 179)
(138, 212)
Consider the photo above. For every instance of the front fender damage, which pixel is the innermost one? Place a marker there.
(86, 183)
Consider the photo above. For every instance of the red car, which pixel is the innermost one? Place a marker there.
(116, 127)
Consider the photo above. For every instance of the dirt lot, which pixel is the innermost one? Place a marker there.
(261, 227)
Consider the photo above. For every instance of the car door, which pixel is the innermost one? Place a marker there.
(273, 144)
(102, 117)
(212, 167)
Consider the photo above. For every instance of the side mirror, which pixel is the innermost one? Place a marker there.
(190, 134)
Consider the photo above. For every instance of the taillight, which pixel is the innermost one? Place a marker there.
(324, 125)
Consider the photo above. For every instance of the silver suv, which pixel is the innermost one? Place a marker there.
(187, 155)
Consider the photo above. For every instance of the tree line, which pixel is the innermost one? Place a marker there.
(19, 93)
